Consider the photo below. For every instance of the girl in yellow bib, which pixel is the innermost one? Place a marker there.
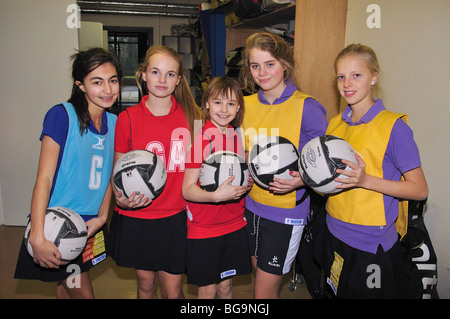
(362, 256)
(276, 216)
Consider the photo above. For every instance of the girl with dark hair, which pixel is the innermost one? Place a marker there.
(74, 171)
(83, 64)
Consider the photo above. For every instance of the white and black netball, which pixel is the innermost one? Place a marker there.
(66, 229)
(319, 160)
(140, 171)
(219, 166)
(272, 157)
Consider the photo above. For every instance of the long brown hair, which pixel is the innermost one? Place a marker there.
(282, 51)
(182, 92)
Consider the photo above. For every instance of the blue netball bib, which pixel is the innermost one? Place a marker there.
(86, 166)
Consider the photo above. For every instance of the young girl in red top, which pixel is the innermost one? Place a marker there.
(217, 243)
(150, 236)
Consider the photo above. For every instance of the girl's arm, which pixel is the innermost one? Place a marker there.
(45, 253)
(224, 192)
(413, 187)
(133, 201)
(96, 223)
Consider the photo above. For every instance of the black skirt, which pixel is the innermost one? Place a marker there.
(211, 260)
(149, 244)
(94, 253)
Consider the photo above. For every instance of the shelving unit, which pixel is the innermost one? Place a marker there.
(238, 32)
(277, 16)
(319, 36)
(187, 48)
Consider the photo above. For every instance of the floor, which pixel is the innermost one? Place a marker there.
(109, 281)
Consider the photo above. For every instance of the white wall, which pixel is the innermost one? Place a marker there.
(36, 44)
(91, 35)
(413, 48)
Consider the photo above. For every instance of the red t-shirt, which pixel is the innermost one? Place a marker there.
(168, 137)
(212, 220)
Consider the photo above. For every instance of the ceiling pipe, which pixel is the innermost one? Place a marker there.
(138, 8)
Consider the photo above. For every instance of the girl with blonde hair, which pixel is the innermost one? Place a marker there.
(150, 235)
(365, 221)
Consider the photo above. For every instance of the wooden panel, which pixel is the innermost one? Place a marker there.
(236, 37)
(319, 37)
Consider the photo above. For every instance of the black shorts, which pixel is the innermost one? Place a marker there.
(275, 245)
(211, 260)
(94, 253)
(149, 244)
(352, 273)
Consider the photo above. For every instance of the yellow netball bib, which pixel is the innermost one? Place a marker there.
(272, 120)
(361, 206)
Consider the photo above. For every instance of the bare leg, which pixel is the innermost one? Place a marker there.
(207, 292)
(171, 285)
(267, 285)
(225, 289)
(75, 287)
(146, 282)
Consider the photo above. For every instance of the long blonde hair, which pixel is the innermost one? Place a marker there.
(182, 92)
